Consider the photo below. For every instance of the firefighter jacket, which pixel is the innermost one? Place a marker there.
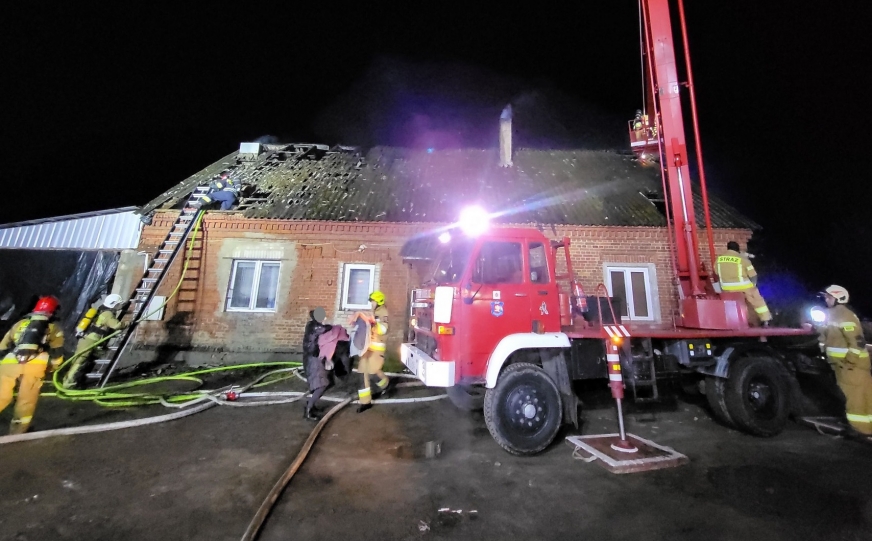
(379, 329)
(104, 323)
(226, 185)
(735, 271)
(19, 341)
(843, 337)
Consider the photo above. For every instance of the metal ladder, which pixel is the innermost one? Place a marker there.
(139, 302)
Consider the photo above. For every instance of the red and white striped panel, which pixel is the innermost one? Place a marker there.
(617, 331)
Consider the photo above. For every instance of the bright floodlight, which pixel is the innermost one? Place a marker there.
(818, 315)
(445, 237)
(473, 221)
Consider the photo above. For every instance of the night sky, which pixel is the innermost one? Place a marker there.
(107, 107)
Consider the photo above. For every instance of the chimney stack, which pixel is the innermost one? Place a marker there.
(506, 137)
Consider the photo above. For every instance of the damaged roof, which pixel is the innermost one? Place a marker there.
(388, 184)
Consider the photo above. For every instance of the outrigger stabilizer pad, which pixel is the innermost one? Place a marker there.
(618, 457)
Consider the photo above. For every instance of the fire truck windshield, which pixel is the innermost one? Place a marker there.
(453, 262)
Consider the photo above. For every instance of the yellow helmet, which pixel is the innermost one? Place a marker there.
(378, 297)
(837, 292)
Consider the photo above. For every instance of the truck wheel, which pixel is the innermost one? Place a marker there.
(715, 393)
(757, 396)
(524, 410)
(466, 397)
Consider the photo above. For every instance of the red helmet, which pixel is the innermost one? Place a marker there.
(46, 305)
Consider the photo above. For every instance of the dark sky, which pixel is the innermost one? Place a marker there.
(109, 106)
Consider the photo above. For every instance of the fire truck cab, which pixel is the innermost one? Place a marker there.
(494, 300)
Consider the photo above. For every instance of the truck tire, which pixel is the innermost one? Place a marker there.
(757, 395)
(466, 397)
(523, 412)
(715, 394)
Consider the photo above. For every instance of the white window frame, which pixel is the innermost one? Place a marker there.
(651, 289)
(346, 276)
(254, 286)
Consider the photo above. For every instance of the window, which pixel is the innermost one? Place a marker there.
(538, 263)
(453, 262)
(499, 263)
(633, 286)
(253, 286)
(357, 284)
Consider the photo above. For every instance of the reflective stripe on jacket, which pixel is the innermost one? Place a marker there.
(735, 271)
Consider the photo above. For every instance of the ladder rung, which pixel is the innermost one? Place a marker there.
(165, 252)
(149, 280)
(102, 361)
(170, 242)
(176, 233)
(160, 260)
(94, 375)
(185, 217)
(144, 289)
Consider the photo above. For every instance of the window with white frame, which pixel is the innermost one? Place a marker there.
(633, 286)
(357, 284)
(253, 286)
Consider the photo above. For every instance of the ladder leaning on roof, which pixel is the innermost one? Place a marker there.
(136, 308)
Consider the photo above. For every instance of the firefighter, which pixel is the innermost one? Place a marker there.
(224, 190)
(638, 121)
(845, 346)
(372, 361)
(737, 274)
(104, 323)
(32, 346)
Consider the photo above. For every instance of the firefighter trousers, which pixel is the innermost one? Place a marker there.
(30, 376)
(855, 381)
(755, 302)
(77, 367)
(371, 365)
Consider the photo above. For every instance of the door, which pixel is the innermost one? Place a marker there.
(500, 299)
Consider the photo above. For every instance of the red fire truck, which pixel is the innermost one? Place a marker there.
(501, 329)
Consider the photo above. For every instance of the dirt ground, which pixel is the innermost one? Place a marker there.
(204, 477)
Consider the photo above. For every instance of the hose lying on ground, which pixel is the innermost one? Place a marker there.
(138, 422)
(271, 498)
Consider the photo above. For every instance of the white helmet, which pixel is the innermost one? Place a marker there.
(112, 301)
(837, 292)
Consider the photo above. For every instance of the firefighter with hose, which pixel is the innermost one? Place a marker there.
(30, 348)
(93, 328)
(373, 360)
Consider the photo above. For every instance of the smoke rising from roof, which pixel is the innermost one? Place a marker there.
(450, 105)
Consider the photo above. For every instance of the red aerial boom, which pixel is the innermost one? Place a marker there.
(701, 307)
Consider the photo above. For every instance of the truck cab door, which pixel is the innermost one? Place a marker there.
(501, 300)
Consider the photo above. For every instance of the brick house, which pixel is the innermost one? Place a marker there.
(324, 226)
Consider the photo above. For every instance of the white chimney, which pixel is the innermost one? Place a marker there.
(506, 137)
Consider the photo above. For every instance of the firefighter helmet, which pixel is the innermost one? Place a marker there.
(112, 301)
(46, 305)
(378, 297)
(837, 292)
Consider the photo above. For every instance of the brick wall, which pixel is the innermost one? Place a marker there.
(312, 255)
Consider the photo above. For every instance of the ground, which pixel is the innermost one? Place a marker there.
(368, 477)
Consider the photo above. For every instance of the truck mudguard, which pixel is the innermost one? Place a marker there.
(513, 343)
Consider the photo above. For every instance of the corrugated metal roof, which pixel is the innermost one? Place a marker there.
(401, 185)
(115, 229)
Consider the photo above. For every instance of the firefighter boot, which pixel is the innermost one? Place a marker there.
(312, 414)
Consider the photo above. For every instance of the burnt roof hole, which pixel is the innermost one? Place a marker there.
(656, 199)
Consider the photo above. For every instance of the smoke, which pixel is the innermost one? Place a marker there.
(451, 105)
(267, 140)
